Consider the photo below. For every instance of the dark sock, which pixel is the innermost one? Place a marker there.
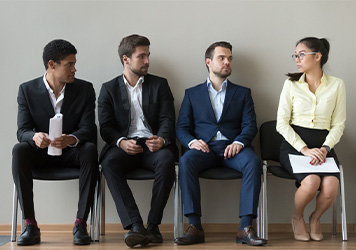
(246, 220)
(31, 221)
(80, 221)
(195, 221)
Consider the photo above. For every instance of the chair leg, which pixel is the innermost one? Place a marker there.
(97, 207)
(102, 207)
(178, 222)
(343, 207)
(264, 204)
(14, 214)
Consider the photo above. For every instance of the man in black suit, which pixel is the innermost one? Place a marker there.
(137, 122)
(57, 91)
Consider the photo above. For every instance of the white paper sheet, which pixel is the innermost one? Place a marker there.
(301, 164)
(55, 131)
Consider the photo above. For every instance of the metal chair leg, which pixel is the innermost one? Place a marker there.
(178, 225)
(264, 204)
(97, 206)
(102, 207)
(14, 214)
(343, 207)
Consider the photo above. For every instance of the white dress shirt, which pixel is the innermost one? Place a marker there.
(137, 123)
(57, 102)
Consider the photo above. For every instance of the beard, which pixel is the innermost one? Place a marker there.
(222, 74)
(140, 72)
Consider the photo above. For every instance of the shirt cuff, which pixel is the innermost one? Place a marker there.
(191, 142)
(243, 145)
(118, 141)
(76, 144)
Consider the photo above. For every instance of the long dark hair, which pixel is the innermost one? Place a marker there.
(316, 45)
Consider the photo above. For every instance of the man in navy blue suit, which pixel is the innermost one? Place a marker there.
(216, 124)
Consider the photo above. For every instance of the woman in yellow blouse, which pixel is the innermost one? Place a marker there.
(311, 118)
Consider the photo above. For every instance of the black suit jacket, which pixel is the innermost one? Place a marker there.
(157, 105)
(35, 109)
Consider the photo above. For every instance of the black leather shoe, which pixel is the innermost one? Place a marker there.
(138, 235)
(80, 235)
(30, 236)
(192, 235)
(249, 236)
(154, 234)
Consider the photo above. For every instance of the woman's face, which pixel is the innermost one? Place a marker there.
(306, 60)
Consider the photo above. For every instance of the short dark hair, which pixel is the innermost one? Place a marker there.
(209, 53)
(128, 45)
(316, 45)
(57, 50)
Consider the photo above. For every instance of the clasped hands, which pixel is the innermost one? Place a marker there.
(42, 140)
(153, 143)
(230, 151)
(318, 155)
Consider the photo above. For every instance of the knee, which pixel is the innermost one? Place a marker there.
(89, 149)
(186, 165)
(254, 166)
(310, 184)
(21, 150)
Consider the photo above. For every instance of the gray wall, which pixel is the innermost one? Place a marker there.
(263, 35)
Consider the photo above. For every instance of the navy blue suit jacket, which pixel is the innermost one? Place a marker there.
(197, 119)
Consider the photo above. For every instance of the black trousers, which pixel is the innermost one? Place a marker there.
(25, 158)
(117, 162)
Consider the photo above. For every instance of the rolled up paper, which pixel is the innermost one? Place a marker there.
(55, 131)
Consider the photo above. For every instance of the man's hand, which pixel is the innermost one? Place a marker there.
(200, 145)
(317, 155)
(130, 147)
(41, 140)
(154, 143)
(63, 141)
(232, 150)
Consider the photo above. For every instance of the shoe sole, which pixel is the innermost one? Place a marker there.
(238, 241)
(34, 242)
(80, 243)
(189, 243)
(136, 239)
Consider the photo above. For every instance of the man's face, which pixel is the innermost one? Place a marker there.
(139, 61)
(64, 71)
(221, 63)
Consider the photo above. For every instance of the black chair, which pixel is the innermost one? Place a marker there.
(270, 143)
(218, 173)
(50, 174)
(138, 174)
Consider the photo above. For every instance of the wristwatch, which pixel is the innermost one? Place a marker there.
(165, 141)
(327, 148)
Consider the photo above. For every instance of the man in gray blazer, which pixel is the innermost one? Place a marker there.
(137, 122)
(57, 91)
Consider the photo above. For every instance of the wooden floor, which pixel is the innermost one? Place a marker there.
(214, 241)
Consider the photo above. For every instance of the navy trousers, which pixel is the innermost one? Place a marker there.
(194, 161)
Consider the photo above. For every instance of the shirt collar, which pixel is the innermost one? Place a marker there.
(223, 86)
(48, 87)
(324, 79)
(140, 80)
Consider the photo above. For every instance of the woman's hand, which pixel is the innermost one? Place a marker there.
(317, 155)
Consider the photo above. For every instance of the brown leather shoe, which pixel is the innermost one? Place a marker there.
(192, 235)
(249, 236)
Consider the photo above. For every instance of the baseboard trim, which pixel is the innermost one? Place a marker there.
(208, 227)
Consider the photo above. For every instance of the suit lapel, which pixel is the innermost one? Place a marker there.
(123, 93)
(69, 96)
(44, 98)
(230, 92)
(206, 99)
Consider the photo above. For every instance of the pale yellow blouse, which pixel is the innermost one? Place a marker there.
(326, 109)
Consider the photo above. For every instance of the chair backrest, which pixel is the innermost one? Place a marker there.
(270, 141)
(55, 174)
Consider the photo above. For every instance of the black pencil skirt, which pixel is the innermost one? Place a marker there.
(314, 138)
